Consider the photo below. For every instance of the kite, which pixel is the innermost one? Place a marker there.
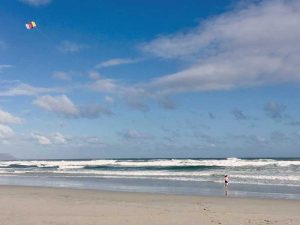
(30, 25)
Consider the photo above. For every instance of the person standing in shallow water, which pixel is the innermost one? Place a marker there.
(226, 182)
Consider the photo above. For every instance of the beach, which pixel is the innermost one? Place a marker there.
(62, 206)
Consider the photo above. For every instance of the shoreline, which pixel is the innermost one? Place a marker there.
(202, 188)
(51, 205)
(188, 195)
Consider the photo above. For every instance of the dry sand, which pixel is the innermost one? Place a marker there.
(39, 206)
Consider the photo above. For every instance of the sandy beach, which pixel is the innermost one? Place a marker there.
(60, 206)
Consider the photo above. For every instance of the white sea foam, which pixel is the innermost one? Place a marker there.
(267, 177)
(265, 171)
(70, 164)
(230, 162)
(165, 163)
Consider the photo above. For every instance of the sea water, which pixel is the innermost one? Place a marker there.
(268, 178)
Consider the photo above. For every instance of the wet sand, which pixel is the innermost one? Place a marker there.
(62, 206)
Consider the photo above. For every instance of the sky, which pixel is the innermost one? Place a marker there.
(137, 78)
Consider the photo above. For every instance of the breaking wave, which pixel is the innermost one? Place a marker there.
(258, 171)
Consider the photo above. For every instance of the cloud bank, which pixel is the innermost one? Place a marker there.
(116, 62)
(7, 118)
(28, 90)
(62, 105)
(5, 132)
(254, 46)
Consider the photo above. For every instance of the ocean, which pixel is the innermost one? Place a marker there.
(263, 178)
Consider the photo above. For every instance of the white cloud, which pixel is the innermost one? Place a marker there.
(28, 90)
(254, 46)
(248, 47)
(3, 67)
(134, 96)
(62, 75)
(58, 104)
(62, 105)
(94, 75)
(5, 132)
(56, 138)
(42, 140)
(105, 85)
(116, 62)
(71, 47)
(7, 118)
(36, 3)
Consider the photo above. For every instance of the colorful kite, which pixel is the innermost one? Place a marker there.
(30, 25)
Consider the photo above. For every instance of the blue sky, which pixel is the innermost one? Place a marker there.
(118, 79)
